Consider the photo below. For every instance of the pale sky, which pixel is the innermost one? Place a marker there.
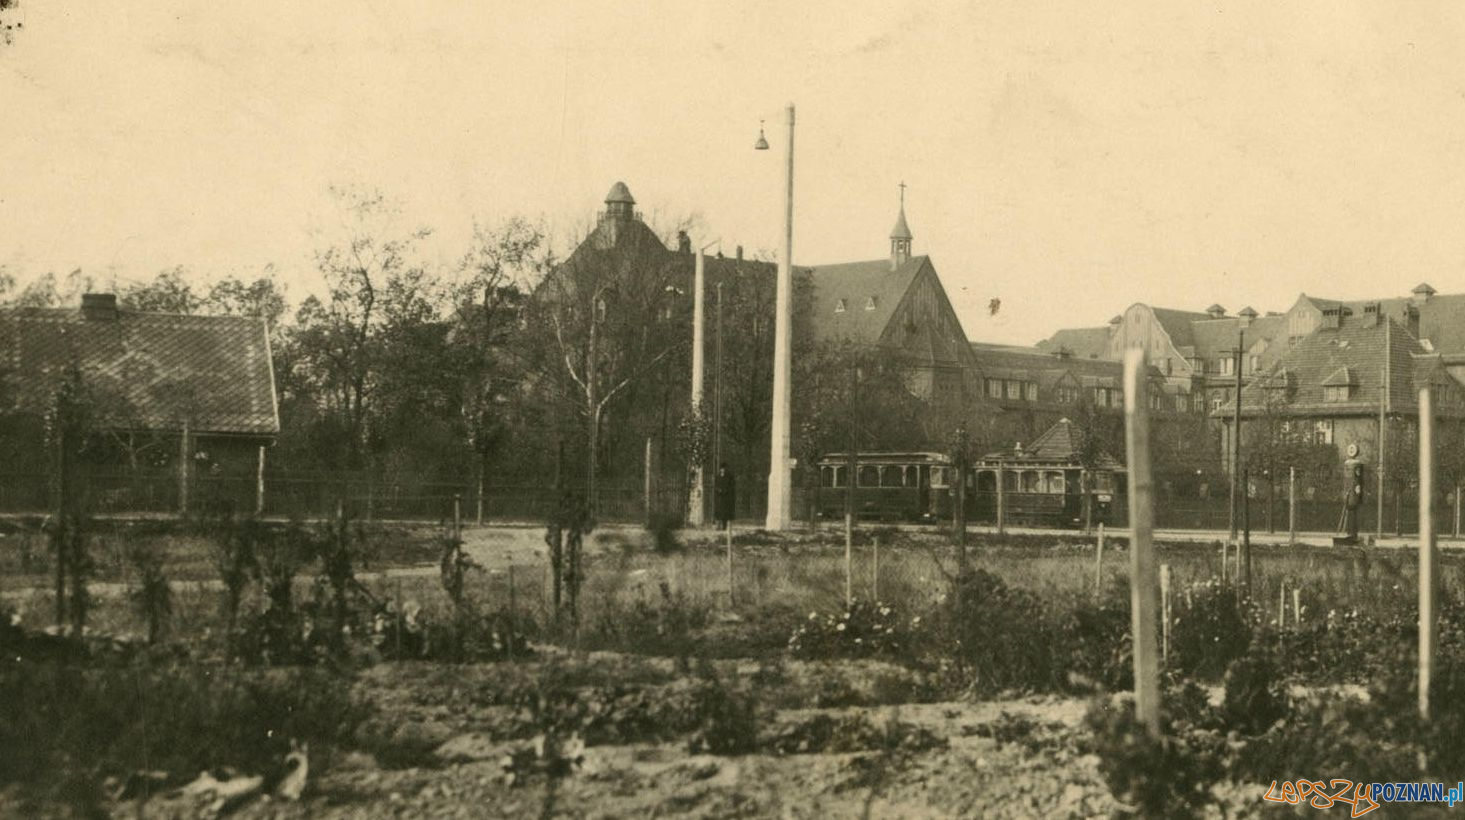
(1067, 158)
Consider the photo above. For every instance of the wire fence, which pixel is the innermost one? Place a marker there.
(315, 495)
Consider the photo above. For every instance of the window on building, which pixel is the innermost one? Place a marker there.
(1226, 366)
(870, 303)
(1216, 402)
(1337, 392)
(938, 477)
(1030, 391)
(1322, 431)
(839, 306)
(1254, 363)
(994, 388)
(1067, 394)
(1182, 403)
(869, 475)
(1014, 389)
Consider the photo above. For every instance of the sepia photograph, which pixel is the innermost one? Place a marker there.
(722, 409)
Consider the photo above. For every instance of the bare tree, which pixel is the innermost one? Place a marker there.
(610, 315)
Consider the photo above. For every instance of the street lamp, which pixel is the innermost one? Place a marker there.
(1243, 320)
(780, 496)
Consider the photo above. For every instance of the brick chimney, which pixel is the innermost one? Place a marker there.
(740, 253)
(99, 307)
(684, 242)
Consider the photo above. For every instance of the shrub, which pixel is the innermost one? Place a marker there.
(153, 597)
(1169, 775)
(865, 629)
(663, 527)
(61, 723)
(1209, 631)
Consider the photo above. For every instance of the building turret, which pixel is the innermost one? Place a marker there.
(900, 236)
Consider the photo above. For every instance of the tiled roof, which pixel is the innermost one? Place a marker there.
(1362, 350)
(150, 366)
(1178, 324)
(857, 283)
(1059, 443)
(1080, 342)
(1048, 369)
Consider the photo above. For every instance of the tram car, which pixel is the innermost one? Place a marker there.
(912, 486)
(921, 487)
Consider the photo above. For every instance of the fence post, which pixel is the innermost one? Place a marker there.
(1165, 612)
(1428, 556)
(1297, 606)
(1457, 510)
(875, 571)
(1281, 602)
(1243, 555)
(401, 618)
(1141, 549)
(1291, 506)
(1001, 502)
(1099, 566)
(849, 552)
(513, 599)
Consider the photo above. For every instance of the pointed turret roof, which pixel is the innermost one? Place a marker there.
(901, 230)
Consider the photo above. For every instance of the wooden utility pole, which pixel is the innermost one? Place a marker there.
(696, 503)
(1243, 558)
(649, 476)
(1141, 548)
(1001, 501)
(1099, 566)
(1428, 555)
(851, 469)
(1383, 432)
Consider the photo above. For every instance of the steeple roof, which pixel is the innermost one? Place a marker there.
(901, 230)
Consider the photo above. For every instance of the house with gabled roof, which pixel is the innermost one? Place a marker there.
(1334, 385)
(191, 397)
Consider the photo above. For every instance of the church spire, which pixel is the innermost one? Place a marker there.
(900, 236)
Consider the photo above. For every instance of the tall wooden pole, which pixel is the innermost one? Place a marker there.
(780, 493)
(1243, 556)
(727, 534)
(1142, 574)
(1428, 555)
(1099, 565)
(1291, 506)
(1236, 429)
(1383, 433)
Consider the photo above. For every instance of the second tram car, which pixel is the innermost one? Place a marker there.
(921, 486)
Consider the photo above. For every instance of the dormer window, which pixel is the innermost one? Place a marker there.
(839, 306)
(1339, 386)
(870, 303)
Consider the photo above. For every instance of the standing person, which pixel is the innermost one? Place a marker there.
(724, 496)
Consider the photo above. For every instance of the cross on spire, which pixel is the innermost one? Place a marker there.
(902, 194)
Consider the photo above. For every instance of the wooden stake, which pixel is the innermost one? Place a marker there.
(1165, 611)
(875, 571)
(1428, 555)
(1291, 506)
(1141, 546)
(728, 536)
(849, 551)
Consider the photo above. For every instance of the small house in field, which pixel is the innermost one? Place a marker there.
(179, 408)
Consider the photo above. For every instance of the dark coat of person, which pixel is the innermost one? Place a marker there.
(724, 495)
